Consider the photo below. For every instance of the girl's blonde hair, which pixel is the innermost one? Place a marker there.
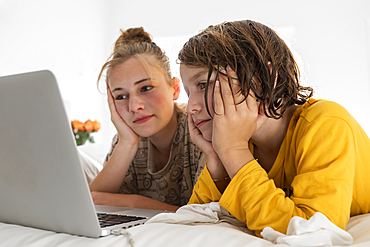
(135, 42)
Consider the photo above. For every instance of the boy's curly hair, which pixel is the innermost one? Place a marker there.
(248, 47)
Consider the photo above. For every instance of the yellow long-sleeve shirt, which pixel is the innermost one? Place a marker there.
(323, 165)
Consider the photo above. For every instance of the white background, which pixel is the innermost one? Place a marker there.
(73, 39)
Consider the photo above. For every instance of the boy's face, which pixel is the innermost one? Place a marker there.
(194, 80)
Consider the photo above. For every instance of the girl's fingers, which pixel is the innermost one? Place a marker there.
(124, 131)
(112, 106)
(110, 99)
(115, 117)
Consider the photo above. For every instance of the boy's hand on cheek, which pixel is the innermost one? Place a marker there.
(198, 139)
(214, 164)
(233, 124)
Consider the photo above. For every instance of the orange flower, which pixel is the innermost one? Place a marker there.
(77, 125)
(89, 126)
(83, 131)
(97, 125)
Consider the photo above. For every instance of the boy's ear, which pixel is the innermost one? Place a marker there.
(176, 87)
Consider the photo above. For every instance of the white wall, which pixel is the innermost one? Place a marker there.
(65, 37)
(74, 38)
(331, 36)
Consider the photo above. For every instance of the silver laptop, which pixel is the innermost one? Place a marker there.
(42, 183)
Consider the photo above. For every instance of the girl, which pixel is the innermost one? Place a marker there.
(273, 152)
(152, 162)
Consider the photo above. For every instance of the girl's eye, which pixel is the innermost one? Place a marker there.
(121, 97)
(146, 88)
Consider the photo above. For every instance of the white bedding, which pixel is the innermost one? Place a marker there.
(219, 233)
(162, 234)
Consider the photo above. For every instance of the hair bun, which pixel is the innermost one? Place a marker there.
(133, 35)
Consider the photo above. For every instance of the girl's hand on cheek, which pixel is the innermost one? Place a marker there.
(234, 124)
(125, 133)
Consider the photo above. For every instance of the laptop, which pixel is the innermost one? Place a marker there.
(42, 183)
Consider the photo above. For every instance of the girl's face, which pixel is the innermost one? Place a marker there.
(194, 80)
(144, 99)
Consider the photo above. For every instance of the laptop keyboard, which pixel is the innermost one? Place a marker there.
(106, 220)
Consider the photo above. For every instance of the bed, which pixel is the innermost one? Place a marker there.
(220, 233)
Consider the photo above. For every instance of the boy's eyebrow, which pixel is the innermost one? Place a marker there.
(197, 75)
(135, 83)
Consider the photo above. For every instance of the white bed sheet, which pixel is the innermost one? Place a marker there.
(161, 234)
(156, 234)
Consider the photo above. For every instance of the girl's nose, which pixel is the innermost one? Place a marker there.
(135, 104)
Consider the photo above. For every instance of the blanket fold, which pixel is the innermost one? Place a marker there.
(194, 214)
(315, 232)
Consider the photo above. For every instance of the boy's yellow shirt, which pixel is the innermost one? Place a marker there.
(323, 165)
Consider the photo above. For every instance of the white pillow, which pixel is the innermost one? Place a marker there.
(92, 157)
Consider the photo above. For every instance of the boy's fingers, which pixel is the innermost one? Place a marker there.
(252, 102)
(191, 123)
(219, 104)
(236, 88)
